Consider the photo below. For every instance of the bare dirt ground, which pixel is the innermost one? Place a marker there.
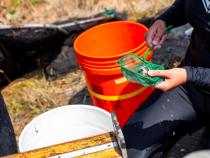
(33, 94)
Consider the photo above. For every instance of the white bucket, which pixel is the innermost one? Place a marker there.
(64, 124)
(205, 153)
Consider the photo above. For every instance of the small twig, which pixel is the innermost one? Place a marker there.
(41, 70)
(5, 75)
(84, 99)
(32, 7)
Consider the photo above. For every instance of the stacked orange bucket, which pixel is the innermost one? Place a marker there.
(97, 51)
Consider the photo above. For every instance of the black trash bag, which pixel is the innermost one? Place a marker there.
(27, 47)
(8, 66)
(22, 49)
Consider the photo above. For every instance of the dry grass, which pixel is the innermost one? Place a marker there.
(49, 11)
(30, 96)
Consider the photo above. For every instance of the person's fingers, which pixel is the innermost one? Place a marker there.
(160, 43)
(158, 36)
(162, 86)
(155, 34)
(147, 39)
(150, 35)
(145, 35)
(162, 40)
(157, 47)
(160, 73)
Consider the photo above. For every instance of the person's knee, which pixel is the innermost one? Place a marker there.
(7, 136)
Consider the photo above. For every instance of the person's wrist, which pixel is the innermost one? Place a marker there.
(184, 75)
(189, 76)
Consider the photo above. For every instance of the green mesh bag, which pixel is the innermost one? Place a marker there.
(135, 69)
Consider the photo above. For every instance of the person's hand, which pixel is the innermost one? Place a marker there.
(173, 78)
(156, 34)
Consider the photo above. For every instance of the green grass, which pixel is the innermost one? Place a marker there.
(19, 2)
(16, 2)
(34, 1)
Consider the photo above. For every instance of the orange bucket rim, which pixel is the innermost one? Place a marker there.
(101, 25)
(88, 61)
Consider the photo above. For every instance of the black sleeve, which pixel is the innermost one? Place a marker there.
(8, 144)
(198, 76)
(175, 15)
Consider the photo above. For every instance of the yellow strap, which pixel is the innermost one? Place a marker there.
(120, 80)
(115, 98)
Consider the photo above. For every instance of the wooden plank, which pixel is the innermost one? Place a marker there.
(75, 145)
(110, 153)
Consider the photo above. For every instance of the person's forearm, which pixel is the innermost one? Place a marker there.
(175, 15)
(199, 76)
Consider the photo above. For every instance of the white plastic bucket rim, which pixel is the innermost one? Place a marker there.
(204, 153)
(52, 127)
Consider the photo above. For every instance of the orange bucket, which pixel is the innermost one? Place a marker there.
(97, 51)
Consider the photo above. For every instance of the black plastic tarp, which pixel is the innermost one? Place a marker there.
(24, 48)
